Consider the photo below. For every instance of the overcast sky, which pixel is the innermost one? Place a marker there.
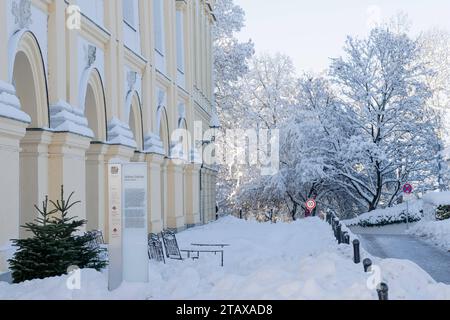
(311, 31)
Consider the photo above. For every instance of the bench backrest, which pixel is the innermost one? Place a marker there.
(155, 248)
(96, 237)
(171, 245)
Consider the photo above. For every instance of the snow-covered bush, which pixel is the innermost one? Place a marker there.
(389, 216)
(443, 213)
(432, 202)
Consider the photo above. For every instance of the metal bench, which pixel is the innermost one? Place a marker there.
(155, 248)
(173, 251)
(97, 238)
(221, 245)
(98, 242)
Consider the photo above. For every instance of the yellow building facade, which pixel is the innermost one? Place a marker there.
(87, 82)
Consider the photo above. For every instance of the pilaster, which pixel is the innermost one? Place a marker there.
(34, 172)
(95, 187)
(175, 203)
(11, 132)
(192, 194)
(67, 167)
(155, 208)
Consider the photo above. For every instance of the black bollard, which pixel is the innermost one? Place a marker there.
(383, 292)
(240, 214)
(367, 263)
(347, 239)
(339, 233)
(344, 237)
(335, 224)
(356, 254)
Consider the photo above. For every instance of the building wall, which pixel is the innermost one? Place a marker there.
(72, 100)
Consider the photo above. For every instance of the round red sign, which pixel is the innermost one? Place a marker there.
(407, 188)
(311, 204)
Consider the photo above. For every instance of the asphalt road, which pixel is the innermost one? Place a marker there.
(430, 258)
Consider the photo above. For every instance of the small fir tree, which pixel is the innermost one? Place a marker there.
(54, 245)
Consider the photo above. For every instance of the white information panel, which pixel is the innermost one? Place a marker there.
(128, 231)
(134, 222)
(115, 226)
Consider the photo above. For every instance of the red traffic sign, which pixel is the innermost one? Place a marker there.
(311, 204)
(407, 188)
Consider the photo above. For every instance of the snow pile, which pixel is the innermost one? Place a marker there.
(389, 216)
(94, 286)
(266, 261)
(65, 118)
(300, 260)
(120, 133)
(407, 281)
(437, 232)
(437, 198)
(432, 200)
(10, 104)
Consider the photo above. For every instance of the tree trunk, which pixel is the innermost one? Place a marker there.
(294, 211)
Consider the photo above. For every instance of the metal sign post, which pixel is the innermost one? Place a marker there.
(407, 215)
(311, 205)
(407, 190)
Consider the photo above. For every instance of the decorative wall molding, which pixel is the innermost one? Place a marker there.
(91, 55)
(131, 80)
(21, 10)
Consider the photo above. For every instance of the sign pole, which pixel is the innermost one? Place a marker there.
(310, 206)
(407, 214)
(407, 190)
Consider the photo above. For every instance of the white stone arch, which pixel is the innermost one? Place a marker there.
(93, 103)
(28, 75)
(133, 112)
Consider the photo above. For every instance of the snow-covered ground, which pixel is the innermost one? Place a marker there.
(436, 232)
(300, 260)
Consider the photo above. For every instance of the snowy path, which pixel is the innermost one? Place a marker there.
(433, 260)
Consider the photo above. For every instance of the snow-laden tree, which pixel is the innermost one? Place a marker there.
(310, 141)
(383, 99)
(268, 92)
(351, 138)
(230, 65)
(266, 101)
(231, 57)
(435, 54)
